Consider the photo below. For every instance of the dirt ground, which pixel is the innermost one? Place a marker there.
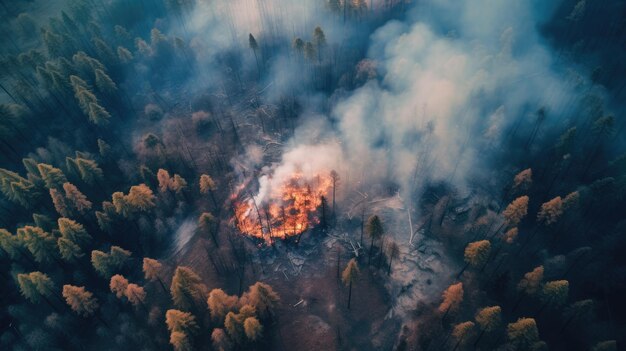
(313, 313)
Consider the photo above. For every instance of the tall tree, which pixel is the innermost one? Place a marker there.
(489, 319)
(80, 300)
(42, 245)
(53, 177)
(452, 298)
(375, 231)
(516, 211)
(187, 289)
(263, 298)
(75, 198)
(206, 224)
(106, 264)
(523, 334)
(349, 276)
(35, 286)
(461, 332)
(477, 253)
(152, 270)
(220, 304)
(118, 285)
(10, 244)
(252, 328)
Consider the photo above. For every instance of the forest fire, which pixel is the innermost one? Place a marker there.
(287, 209)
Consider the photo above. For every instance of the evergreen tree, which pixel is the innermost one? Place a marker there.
(252, 328)
(263, 298)
(555, 293)
(35, 285)
(452, 298)
(140, 198)
(516, 211)
(135, 294)
(90, 173)
(350, 275)
(374, 230)
(106, 264)
(104, 83)
(53, 177)
(220, 304)
(477, 253)
(41, 245)
(10, 244)
(75, 198)
(181, 322)
(531, 282)
(523, 334)
(187, 289)
(80, 300)
(73, 231)
(118, 285)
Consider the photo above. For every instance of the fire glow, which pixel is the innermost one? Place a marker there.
(288, 209)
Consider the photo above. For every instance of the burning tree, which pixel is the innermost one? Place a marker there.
(284, 210)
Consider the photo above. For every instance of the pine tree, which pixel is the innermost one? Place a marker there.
(69, 250)
(375, 231)
(220, 304)
(180, 341)
(207, 184)
(73, 231)
(124, 55)
(462, 331)
(75, 198)
(452, 298)
(555, 293)
(551, 211)
(531, 282)
(263, 298)
(477, 253)
(164, 179)
(523, 180)
(10, 244)
(80, 300)
(104, 149)
(90, 173)
(187, 289)
(104, 83)
(59, 203)
(350, 275)
(181, 322)
(489, 319)
(41, 245)
(253, 328)
(98, 115)
(106, 264)
(220, 340)
(140, 198)
(516, 211)
(35, 285)
(53, 177)
(118, 285)
(135, 294)
(523, 334)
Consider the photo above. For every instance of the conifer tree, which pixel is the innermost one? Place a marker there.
(80, 300)
(220, 340)
(489, 319)
(73, 231)
(41, 245)
(187, 289)
(140, 198)
(263, 298)
(106, 264)
(10, 244)
(59, 203)
(523, 180)
(551, 211)
(98, 115)
(452, 298)
(220, 304)
(206, 224)
(104, 83)
(516, 211)
(180, 321)
(75, 198)
(135, 294)
(350, 275)
(69, 250)
(53, 177)
(118, 285)
(523, 334)
(90, 173)
(531, 282)
(462, 332)
(35, 285)
(375, 231)
(555, 293)
(152, 269)
(477, 253)
(252, 328)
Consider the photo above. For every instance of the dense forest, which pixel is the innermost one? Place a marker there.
(312, 175)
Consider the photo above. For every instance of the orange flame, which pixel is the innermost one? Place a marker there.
(287, 211)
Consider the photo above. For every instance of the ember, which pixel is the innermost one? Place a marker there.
(288, 209)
